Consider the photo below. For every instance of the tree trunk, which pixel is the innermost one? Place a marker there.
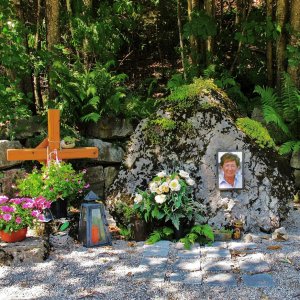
(26, 83)
(181, 38)
(281, 18)
(270, 45)
(53, 35)
(37, 46)
(209, 6)
(294, 69)
(193, 5)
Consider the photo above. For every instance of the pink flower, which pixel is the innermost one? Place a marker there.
(7, 209)
(3, 199)
(87, 186)
(18, 220)
(16, 200)
(35, 213)
(27, 205)
(41, 218)
(6, 217)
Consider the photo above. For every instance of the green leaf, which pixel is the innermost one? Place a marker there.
(64, 226)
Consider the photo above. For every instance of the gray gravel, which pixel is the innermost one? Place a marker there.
(108, 273)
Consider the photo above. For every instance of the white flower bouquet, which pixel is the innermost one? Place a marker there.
(168, 198)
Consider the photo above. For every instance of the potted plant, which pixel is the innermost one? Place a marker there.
(168, 199)
(17, 214)
(57, 182)
(68, 142)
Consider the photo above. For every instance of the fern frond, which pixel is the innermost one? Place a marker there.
(268, 96)
(290, 99)
(290, 146)
(155, 237)
(271, 115)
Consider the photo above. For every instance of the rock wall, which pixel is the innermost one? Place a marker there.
(201, 130)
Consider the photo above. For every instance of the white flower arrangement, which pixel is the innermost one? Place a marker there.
(169, 197)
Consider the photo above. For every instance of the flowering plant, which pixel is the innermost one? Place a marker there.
(18, 213)
(56, 180)
(169, 197)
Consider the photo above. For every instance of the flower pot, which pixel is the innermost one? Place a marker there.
(59, 209)
(14, 236)
(64, 145)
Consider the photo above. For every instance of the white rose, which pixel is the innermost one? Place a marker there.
(161, 174)
(190, 181)
(184, 174)
(164, 188)
(138, 198)
(174, 185)
(160, 199)
(153, 186)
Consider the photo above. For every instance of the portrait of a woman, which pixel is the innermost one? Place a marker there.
(230, 170)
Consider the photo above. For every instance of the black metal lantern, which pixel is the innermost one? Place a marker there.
(93, 226)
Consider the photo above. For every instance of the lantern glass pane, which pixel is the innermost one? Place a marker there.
(82, 229)
(97, 228)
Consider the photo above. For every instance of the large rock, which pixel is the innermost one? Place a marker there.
(4, 145)
(204, 125)
(110, 128)
(95, 177)
(9, 179)
(108, 152)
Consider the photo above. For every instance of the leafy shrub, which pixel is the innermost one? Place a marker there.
(256, 131)
(160, 234)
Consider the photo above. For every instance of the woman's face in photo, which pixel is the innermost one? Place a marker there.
(229, 168)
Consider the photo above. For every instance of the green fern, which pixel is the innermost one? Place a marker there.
(159, 234)
(200, 233)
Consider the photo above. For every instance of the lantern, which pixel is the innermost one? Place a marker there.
(93, 226)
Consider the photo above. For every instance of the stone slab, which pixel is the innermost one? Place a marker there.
(217, 253)
(187, 277)
(31, 250)
(216, 266)
(221, 279)
(153, 262)
(242, 246)
(149, 275)
(258, 280)
(189, 254)
(159, 249)
(254, 263)
(187, 265)
(218, 244)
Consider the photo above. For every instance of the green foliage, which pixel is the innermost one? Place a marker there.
(201, 233)
(194, 89)
(201, 26)
(176, 81)
(54, 181)
(283, 111)
(160, 234)
(164, 123)
(126, 232)
(256, 131)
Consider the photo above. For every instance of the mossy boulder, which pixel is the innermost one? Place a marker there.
(192, 125)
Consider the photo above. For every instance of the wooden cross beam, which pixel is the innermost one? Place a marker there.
(51, 145)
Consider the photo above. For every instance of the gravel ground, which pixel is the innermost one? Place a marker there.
(107, 273)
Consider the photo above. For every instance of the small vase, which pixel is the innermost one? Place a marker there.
(139, 230)
(59, 209)
(14, 236)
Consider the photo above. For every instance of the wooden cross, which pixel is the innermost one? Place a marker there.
(51, 144)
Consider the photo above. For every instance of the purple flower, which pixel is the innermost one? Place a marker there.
(6, 217)
(16, 200)
(18, 220)
(87, 186)
(7, 209)
(3, 199)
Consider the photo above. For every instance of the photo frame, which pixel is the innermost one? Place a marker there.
(230, 170)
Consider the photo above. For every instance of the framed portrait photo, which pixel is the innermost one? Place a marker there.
(230, 170)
